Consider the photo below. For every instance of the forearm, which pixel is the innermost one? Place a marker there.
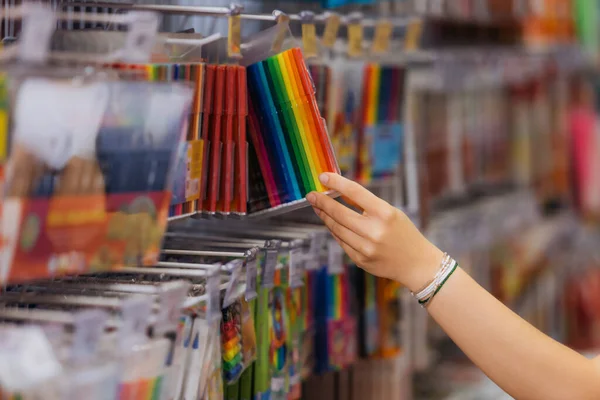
(524, 362)
(520, 359)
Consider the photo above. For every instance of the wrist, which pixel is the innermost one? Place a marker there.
(423, 271)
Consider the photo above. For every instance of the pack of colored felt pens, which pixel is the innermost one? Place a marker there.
(335, 339)
(224, 176)
(288, 136)
(344, 111)
(381, 123)
(187, 171)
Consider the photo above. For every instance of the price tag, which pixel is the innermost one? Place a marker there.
(413, 35)
(355, 39)
(332, 27)
(135, 312)
(296, 268)
(309, 40)
(140, 38)
(313, 258)
(38, 25)
(277, 384)
(232, 292)
(26, 359)
(268, 272)
(89, 327)
(213, 306)
(283, 24)
(382, 37)
(251, 276)
(335, 264)
(171, 300)
(234, 38)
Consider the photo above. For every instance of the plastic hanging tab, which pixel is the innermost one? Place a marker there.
(171, 300)
(355, 36)
(283, 26)
(382, 37)
(213, 290)
(309, 34)
(332, 28)
(268, 272)
(38, 24)
(135, 312)
(251, 274)
(141, 36)
(89, 327)
(413, 35)
(232, 291)
(335, 259)
(297, 267)
(313, 257)
(234, 37)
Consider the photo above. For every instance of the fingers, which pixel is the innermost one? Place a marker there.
(353, 191)
(341, 232)
(338, 212)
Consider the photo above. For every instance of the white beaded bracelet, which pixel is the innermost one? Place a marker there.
(425, 295)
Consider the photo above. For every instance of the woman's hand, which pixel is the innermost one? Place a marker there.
(382, 240)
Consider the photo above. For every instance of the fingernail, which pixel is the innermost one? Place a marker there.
(324, 178)
(317, 211)
(311, 198)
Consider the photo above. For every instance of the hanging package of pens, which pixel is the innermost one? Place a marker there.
(344, 110)
(224, 175)
(238, 340)
(335, 325)
(388, 299)
(279, 333)
(187, 169)
(382, 122)
(287, 132)
(365, 286)
(88, 179)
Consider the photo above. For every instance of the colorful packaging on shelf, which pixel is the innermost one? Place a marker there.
(225, 170)
(287, 131)
(238, 340)
(76, 203)
(368, 313)
(344, 112)
(382, 127)
(278, 323)
(388, 297)
(335, 325)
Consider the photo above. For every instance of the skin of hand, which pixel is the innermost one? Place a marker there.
(519, 358)
(382, 240)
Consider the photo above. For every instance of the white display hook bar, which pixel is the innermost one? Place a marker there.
(236, 9)
(193, 266)
(20, 12)
(203, 253)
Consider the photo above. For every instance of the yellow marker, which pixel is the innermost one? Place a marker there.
(283, 24)
(373, 95)
(292, 87)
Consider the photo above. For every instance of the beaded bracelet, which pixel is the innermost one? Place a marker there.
(425, 295)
